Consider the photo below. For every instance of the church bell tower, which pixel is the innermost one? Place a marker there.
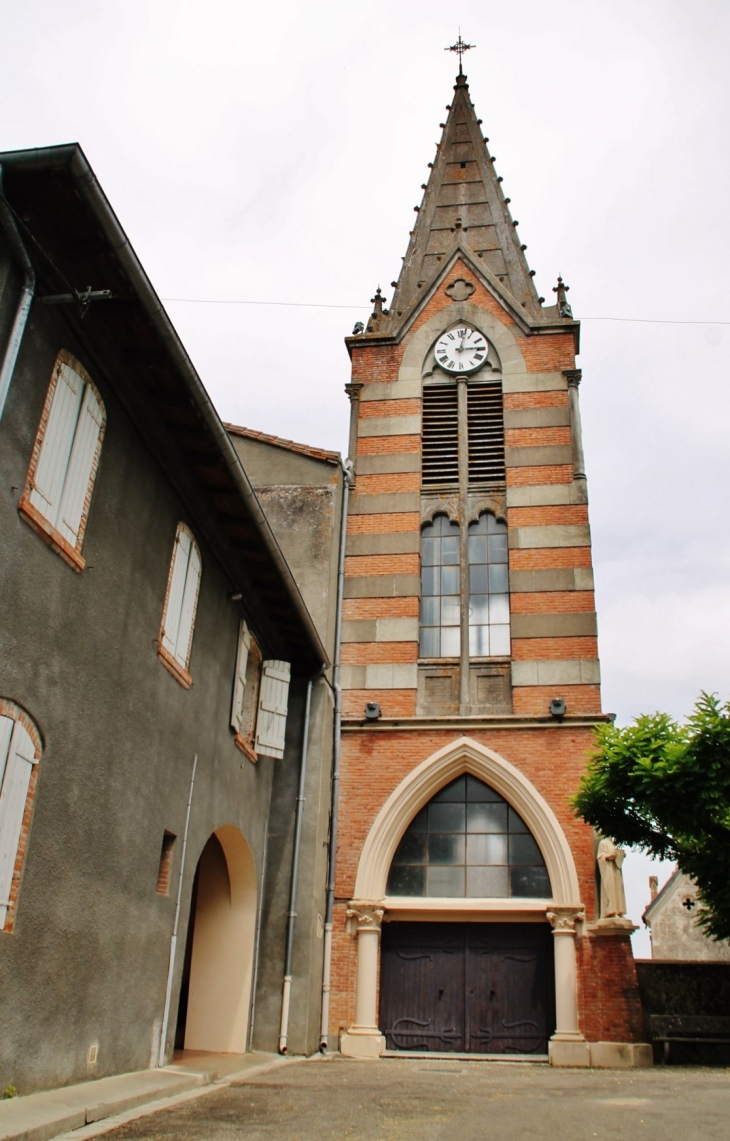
(467, 917)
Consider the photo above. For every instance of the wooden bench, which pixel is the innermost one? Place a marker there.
(693, 1028)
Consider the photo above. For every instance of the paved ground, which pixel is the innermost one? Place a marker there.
(336, 1099)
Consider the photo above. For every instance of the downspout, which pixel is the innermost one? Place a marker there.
(257, 944)
(9, 225)
(292, 915)
(349, 476)
(173, 941)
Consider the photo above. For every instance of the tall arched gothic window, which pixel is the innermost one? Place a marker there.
(485, 593)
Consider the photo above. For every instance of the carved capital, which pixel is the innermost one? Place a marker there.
(365, 916)
(573, 376)
(563, 920)
(353, 390)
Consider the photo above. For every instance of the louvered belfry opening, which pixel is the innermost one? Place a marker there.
(486, 432)
(440, 446)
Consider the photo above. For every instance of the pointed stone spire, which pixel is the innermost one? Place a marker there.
(464, 206)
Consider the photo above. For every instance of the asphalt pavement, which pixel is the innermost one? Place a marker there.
(394, 1099)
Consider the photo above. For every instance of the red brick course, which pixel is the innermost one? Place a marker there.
(372, 408)
(515, 401)
(557, 515)
(552, 353)
(381, 524)
(553, 602)
(553, 649)
(535, 699)
(387, 445)
(389, 484)
(355, 608)
(381, 564)
(539, 475)
(549, 558)
(393, 702)
(536, 437)
(365, 653)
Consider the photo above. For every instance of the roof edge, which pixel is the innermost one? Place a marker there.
(70, 157)
(288, 445)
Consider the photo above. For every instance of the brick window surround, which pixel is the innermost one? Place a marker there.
(9, 709)
(76, 466)
(175, 640)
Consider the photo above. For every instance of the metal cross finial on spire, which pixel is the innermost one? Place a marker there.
(460, 47)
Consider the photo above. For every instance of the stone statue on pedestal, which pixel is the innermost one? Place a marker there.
(613, 899)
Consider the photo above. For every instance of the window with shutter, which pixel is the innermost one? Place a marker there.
(55, 501)
(19, 756)
(273, 704)
(181, 600)
(239, 682)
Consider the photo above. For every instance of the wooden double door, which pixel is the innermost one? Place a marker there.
(478, 988)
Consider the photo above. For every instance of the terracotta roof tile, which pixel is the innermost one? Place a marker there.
(289, 445)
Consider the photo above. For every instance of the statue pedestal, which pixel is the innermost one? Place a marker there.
(614, 925)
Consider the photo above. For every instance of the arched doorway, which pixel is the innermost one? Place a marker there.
(562, 911)
(474, 987)
(216, 986)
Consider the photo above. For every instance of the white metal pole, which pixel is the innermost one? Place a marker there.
(173, 941)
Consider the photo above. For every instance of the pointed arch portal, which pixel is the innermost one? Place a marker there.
(414, 792)
(372, 903)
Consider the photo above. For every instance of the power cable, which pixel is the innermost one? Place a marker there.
(324, 305)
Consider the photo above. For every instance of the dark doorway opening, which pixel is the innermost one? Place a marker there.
(476, 988)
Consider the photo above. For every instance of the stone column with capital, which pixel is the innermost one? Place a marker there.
(567, 1046)
(353, 391)
(573, 377)
(363, 1039)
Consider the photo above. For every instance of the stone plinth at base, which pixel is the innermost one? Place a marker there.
(615, 925)
(569, 1052)
(621, 1055)
(362, 1043)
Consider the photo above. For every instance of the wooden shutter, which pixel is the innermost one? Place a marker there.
(80, 466)
(273, 703)
(486, 432)
(52, 465)
(176, 588)
(440, 449)
(17, 765)
(189, 606)
(239, 684)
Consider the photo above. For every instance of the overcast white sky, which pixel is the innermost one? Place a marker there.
(274, 152)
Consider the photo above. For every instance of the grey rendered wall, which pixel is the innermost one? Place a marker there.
(87, 961)
(302, 498)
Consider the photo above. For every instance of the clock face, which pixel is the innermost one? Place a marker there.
(462, 349)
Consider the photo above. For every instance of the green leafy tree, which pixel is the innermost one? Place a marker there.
(665, 788)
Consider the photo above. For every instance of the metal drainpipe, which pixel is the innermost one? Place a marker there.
(291, 920)
(173, 941)
(27, 293)
(257, 941)
(349, 475)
